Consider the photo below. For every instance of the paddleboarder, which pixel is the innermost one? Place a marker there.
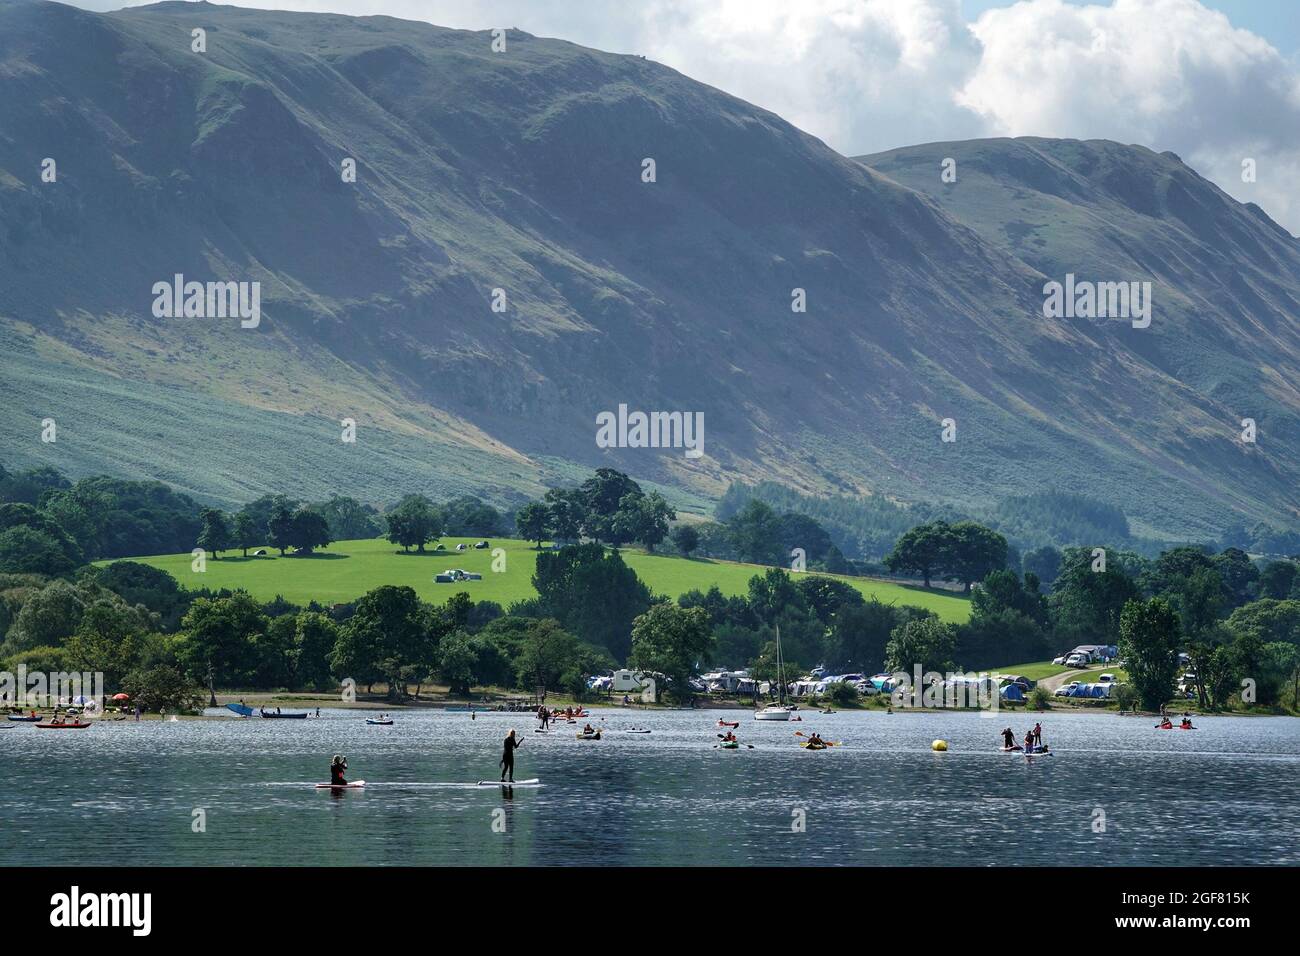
(1038, 735)
(1008, 739)
(337, 766)
(511, 744)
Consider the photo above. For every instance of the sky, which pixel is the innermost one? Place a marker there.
(1215, 81)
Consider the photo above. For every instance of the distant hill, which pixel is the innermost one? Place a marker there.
(522, 171)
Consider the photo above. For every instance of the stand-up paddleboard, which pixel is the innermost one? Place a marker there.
(355, 785)
(636, 731)
(534, 782)
(241, 710)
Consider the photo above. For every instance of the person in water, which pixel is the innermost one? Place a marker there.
(511, 744)
(1008, 739)
(337, 766)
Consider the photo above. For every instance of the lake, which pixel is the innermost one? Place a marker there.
(126, 792)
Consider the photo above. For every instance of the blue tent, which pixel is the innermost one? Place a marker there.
(1012, 692)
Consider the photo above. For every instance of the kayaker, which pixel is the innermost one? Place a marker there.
(1166, 724)
(337, 766)
(816, 740)
(1008, 739)
(729, 737)
(1187, 723)
(511, 744)
(588, 729)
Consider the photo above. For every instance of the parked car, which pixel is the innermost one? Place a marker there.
(1077, 660)
(1106, 679)
(456, 574)
(1059, 661)
(260, 553)
(480, 545)
(1067, 690)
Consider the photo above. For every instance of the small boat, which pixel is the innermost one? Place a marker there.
(592, 736)
(273, 716)
(779, 710)
(62, 726)
(26, 718)
(732, 724)
(813, 746)
(355, 785)
(730, 745)
(241, 710)
(380, 723)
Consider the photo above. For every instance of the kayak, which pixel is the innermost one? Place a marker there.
(1175, 728)
(595, 736)
(355, 785)
(270, 716)
(723, 723)
(730, 745)
(636, 731)
(811, 746)
(26, 720)
(241, 710)
(379, 723)
(62, 726)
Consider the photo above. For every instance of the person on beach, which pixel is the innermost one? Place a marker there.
(337, 766)
(508, 756)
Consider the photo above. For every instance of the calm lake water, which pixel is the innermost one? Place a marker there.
(125, 792)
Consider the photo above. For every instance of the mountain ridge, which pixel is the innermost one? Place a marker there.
(521, 171)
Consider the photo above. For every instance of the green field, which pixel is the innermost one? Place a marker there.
(347, 569)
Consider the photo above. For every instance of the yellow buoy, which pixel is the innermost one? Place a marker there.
(939, 745)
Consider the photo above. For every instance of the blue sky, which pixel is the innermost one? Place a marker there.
(1277, 21)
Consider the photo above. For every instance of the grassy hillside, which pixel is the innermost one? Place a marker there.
(521, 171)
(348, 569)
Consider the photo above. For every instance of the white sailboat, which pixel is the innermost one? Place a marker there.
(778, 711)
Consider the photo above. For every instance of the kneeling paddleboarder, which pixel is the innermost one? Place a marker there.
(511, 744)
(337, 766)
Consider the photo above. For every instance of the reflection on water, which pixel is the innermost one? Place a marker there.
(126, 792)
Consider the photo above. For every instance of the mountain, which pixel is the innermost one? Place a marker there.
(521, 171)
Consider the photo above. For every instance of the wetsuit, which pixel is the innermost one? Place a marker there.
(546, 718)
(1008, 740)
(508, 758)
(336, 774)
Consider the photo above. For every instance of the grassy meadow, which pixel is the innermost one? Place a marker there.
(347, 569)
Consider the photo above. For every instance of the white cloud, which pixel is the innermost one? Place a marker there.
(867, 75)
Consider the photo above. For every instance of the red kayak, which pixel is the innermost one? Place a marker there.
(723, 723)
(61, 726)
(1175, 728)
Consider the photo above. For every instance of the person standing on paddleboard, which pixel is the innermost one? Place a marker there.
(508, 756)
(337, 766)
(1038, 735)
(545, 716)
